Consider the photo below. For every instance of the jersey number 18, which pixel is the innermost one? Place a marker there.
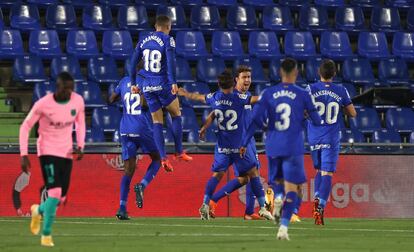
(152, 60)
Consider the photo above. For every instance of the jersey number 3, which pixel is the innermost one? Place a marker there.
(152, 60)
(284, 122)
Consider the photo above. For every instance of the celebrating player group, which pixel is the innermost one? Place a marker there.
(282, 111)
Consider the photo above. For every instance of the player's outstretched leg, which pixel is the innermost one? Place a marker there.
(227, 189)
(249, 213)
(129, 166)
(208, 193)
(258, 191)
(324, 191)
(48, 210)
(152, 171)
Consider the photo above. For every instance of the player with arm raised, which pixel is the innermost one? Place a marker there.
(330, 99)
(56, 114)
(136, 132)
(157, 50)
(281, 110)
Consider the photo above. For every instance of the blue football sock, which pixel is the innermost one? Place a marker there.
(210, 188)
(159, 139)
(317, 184)
(297, 206)
(250, 199)
(228, 188)
(151, 172)
(258, 190)
(324, 190)
(288, 206)
(125, 183)
(279, 190)
(177, 130)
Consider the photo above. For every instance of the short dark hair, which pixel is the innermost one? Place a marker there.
(288, 65)
(225, 80)
(162, 20)
(327, 69)
(242, 69)
(65, 77)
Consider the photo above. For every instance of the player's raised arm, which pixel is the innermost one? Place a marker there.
(133, 66)
(209, 120)
(192, 96)
(80, 128)
(170, 55)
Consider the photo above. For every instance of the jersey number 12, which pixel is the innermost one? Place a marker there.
(132, 101)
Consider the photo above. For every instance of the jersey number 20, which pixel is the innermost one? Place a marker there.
(132, 101)
(331, 111)
(152, 60)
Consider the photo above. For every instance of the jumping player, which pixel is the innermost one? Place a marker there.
(56, 113)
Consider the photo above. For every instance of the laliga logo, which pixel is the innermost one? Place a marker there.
(115, 161)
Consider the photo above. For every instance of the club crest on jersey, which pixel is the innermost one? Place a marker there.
(73, 112)
(243, 96)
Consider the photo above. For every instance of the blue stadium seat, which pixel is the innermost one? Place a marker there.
(400, 3)
(400, 119)
(91, 94)
(9, 3)
(196, 87)
(385, 19)
(393, 71)
(67, 63)
(260, 87)
(28, 68)
(264, 45)
(133, 18)
(222, 3)
(386, 136)
(209, 68)
(192, 136)
(115, 3)
(24, 17)
(103, 70)
(274, 70)
(412, 138)
(11, 44)
(41, 89)
(313, 18)
(277, 18)
(312, 68)
(299, 45)
(187, 3)
(79, 3)
(227, 44)
(351, 136)
(294, 3)
(373, 45)
(335, 45)
(43, 3)
(176, 14)
(350, 19)
(256, 66)
(44, 43)
(205, 18)
(366, 121)
(97, 17)
(107, 118)
(1, 20)
(151, 4)
(82, 44)
(330, 3)
(365, 3)
(189, 119)
(117, 44)
(358, 71)
(351, 89)
(95, 135)
(191, 45)
(410, 19)
(183, 70)
(402, 45)
(241, 17)
(258, 3)
(61, 17)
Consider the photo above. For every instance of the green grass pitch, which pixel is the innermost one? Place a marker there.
(222, 234)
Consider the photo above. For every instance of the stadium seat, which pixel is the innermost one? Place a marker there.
(41, 89)
(330, 3)
(402, 45)
(351, 89)
(241, 18)
(358, 71)
(258, 3)
(274, 70)
(94, 135)
(294, 3)
(373, 45)
(133, 18)
(67, 63)
(257, 74)
(400, 3)
(107, 118)
(1, 20)
(79, 3)
(385, 19)
(412, 138)
(187, 3)
(151, 4)
(277, 18)
(91, 94)
(103, 70)
(193, 137)
(9, 3)
(312, 68)
(222, 3)
(400, 119)
(351, 136)
(24, 17)
(335, 45)
(393, 71)
(205, 18)
(264, 45)
(299, 45)
(183, 70)
(189, 120)
(349, 18)
(227, 44)
(61, 17)
(191, 45)
(209, 68)
(384, 136)
(313, 18)
(11, 44)
(115, 3)
(366, 121)
(117, 44)
(176, 14)
(196, 87)
(28, 69)
(82, 44)
(365, 3)
(97, 17)
(410, 19)
(44, 43)
(259, 87)
(43, 2)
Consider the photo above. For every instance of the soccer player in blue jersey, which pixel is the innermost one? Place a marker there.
(330, 99)
(281, 110)
(135, 132)
(157, 50)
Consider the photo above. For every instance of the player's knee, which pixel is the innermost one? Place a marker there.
(55, 192)
(218, 175)
(243, 180)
